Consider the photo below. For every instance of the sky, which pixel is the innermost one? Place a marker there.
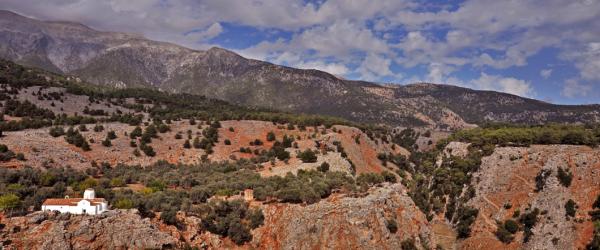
(542, 49)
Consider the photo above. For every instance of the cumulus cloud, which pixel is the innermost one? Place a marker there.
(503, 84)
(545, 73)
(574, 88)
(375, 66)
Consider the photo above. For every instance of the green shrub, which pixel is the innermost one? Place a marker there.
(56, 131)
(270, 136)
(511, 226)
(307, 156)
(124, 203)
(504, 235)
(324, 167)
(392, 225)
(570, 208)
(169, 217)
(111, 135)
(565, 177)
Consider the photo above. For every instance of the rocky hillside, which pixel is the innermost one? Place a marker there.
(516, 181)
(120, 60)
(342, 222)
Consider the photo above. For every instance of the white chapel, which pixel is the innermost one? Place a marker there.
(89, 204)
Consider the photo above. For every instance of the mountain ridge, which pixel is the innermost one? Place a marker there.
(128, 60)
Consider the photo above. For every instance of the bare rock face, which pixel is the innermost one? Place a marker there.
(111, 230)
(506, 182)
(345, 223)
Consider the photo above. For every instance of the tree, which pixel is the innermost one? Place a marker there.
(98, 128)
(511, 226)
(186, 144)
(124, 203)
(169, 216)
(227, 142)
(324, 167)
(111, 135)
(270, 136)
(565, 177)
(570, 208)
(8, 202)
(137, 132)
(148, 150)
(307, 156)
(106, 142)
(56, 131)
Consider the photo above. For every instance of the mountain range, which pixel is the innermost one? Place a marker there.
(130, 60)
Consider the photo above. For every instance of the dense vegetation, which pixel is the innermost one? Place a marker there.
(504, 135)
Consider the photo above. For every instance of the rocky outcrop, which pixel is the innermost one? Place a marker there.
(345, 223)
(506, 182)
(111, 230)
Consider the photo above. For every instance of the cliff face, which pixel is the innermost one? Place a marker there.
(111, 230)
(345, 223)
(506, 182)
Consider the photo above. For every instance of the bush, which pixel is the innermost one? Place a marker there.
(570, 208)
(148, 150)
(392, 225)
(56, 131)
(111, 135)
(511, 226)
(9, 202)
(324, 167)
(408, 244)
(98, 128)
(529, 220)
(565, 177)
(504, 235)
(20, 157)
(307, 156)
(540, 179)
(169, 217)
(388, 177)
(270, 136)
(227, 142)
(187, 144)
(232, 219)
(369, 179)
(82, 128)
(124, 203)
(137, 132)
(106, 142)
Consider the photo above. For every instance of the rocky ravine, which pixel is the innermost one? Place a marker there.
(506, 182)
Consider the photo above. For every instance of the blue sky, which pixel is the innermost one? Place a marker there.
(543, 49)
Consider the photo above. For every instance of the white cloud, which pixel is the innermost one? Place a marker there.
(573, 88)
(545, 73)
(374, 67)
(503, 84)
(337, 69)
